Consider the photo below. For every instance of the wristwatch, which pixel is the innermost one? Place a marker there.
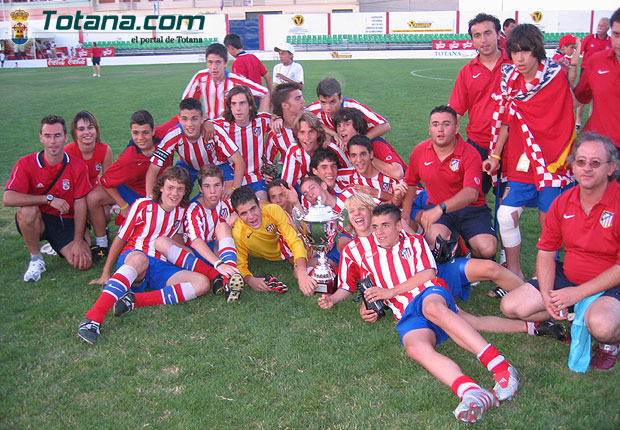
(443, 208)
(49, 198)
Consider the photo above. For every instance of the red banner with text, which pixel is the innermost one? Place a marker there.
(66, 62)
(108, 51)
(452, 44)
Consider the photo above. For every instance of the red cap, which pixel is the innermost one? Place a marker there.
(567, 39)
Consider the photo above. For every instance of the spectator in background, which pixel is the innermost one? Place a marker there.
(566, 57)
(245, 64)
(287, 70)
(599, 83)
(507, 27)
(95, 53)
(592, 44)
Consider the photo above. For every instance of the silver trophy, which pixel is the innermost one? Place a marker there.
(319, 226)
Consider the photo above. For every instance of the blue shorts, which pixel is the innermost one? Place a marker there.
(518, 194)
(228, 171)
(414, 319)
(211, 245)
(258, 186)
(419, 204)
(157, 274)
(128, 194)
(562, 282)
(453, 272)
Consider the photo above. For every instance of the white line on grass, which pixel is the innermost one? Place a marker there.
(415, 73)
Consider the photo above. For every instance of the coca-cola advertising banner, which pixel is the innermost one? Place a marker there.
(65, 62)
(108, 51)
(452, 44)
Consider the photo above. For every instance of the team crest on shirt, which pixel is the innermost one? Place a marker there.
(40, 185)
(256, 131)
(176, 224)
(209, 146)
(606, 219)
(405, 253)
(98, 167)
(66, 184)
(385, 187)
(477, 180)
(270, 228)
(454, 164)
(224, 212)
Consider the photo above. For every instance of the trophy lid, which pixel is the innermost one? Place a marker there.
(320, 213)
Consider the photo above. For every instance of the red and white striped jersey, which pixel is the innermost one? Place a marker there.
(279, 144)
(200, 222)
(195, 154)
(213, 96)
(387, 267)
(296, 165)
(297, 162)
(147, 221)
(379, 182)
(251, 142)
(372, 119)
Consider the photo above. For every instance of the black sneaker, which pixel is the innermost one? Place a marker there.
(552, 329)
(88, 331)
(98, 252)
(125, 304)
(217, 285)
(233, 287)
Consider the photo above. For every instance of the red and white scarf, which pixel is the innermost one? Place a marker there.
(556, 174)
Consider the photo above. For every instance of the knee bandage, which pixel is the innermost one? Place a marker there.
(508, 228)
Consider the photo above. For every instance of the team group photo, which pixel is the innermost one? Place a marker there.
(356, 242)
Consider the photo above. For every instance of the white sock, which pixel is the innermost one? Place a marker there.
(37, 256)
(101, 242)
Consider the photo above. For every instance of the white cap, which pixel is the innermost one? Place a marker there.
(284, 47)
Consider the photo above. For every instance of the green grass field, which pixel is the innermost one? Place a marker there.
(269, 361)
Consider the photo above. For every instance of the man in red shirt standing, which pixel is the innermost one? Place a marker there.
(245, 64)
(95, 53)
(592, 257)
(475, 84)
(592, 44)
(599, 83)
(49, 188)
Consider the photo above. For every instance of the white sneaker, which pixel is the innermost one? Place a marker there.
(48, 250)
(35, 268)
(94, 75)
(475, 403)
(506, 384)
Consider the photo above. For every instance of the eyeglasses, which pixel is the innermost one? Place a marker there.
(595, 164)
(445, 124)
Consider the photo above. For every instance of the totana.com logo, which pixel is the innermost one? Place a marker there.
(122, 22)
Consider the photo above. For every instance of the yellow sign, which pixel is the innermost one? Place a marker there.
(414, 24)
(536, 16)
(298, 20)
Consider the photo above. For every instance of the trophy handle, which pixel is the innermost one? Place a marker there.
(344, 218)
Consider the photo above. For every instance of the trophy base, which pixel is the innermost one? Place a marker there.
(326, 286)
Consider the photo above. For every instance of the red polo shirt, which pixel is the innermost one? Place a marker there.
(472, 93)
(250, 66)
(591, 45)
(601, 82)
(591, 242)
(32, 175)
(443, 179)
